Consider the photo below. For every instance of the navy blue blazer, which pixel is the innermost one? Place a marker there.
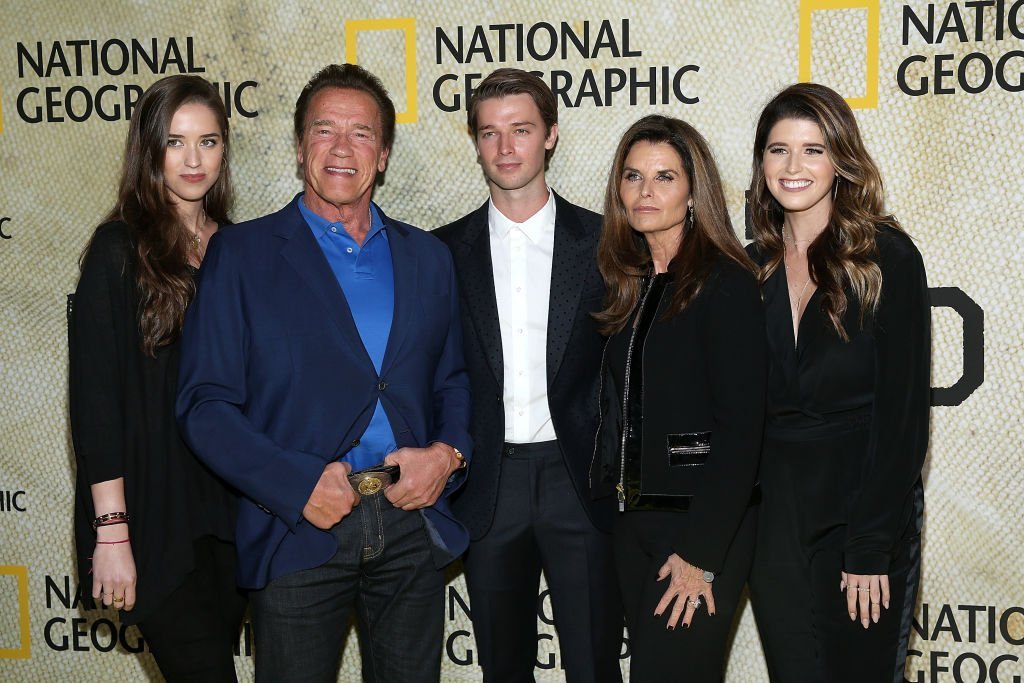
(275, 382)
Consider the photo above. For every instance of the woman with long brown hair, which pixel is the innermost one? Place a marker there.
(153, 527)
(838, 554)
(682, 399)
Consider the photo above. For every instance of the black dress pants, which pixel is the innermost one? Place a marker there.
(540, 523)
(696, 654)
(801, 614)
(193, 633)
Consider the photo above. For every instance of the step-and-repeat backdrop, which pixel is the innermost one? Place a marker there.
(937, 87)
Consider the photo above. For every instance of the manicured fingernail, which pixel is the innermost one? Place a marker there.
(886, 604)
(853, 616)
(864, 622)
(874, 618)
(671, 628)
(686, 626)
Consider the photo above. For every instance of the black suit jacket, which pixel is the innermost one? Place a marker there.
(573, 354)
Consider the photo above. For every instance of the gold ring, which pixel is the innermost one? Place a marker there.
(117, 600)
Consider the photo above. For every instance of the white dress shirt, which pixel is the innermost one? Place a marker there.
(521, 257)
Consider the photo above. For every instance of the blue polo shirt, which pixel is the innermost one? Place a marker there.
(366, 276)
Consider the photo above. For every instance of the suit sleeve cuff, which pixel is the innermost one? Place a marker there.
(866, 562)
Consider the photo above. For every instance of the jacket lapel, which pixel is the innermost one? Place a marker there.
(573, 256)
(473, 263)
(779, 322)
(406, 273)
(304, 255)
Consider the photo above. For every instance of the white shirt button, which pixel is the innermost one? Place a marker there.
(349, 250)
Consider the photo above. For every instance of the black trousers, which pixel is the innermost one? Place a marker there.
(193, 634)
(696, 654)
(801, 614)
(540, 523)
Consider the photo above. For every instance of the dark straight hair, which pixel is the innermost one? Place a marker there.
(161, 242)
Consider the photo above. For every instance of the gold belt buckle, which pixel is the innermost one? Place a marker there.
(373, 480)
(370, 485)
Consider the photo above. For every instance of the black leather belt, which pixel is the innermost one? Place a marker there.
(530, 450)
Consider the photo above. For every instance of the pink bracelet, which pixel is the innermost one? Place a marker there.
(111, 542)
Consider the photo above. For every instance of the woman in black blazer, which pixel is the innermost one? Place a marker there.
(838, 553)
(682, 397)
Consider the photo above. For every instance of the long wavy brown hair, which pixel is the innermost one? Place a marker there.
(165, 285)
(623, 256)
(843, 254)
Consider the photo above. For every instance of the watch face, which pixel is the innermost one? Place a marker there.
(709, 576)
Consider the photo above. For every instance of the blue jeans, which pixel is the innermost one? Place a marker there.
(383, 569)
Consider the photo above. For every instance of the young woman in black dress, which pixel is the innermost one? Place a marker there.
(153, 526)
(838, 554)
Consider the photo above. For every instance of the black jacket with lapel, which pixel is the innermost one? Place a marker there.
(573, 353)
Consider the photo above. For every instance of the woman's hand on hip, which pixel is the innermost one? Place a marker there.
(866, 594)
(687, 587)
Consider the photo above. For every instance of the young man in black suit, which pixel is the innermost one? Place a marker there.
(528, 284)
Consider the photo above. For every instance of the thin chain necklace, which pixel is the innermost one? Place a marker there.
(794, 303)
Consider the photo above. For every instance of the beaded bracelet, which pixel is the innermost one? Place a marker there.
(110, 517)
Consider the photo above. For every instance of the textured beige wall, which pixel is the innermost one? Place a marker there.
(953, 166)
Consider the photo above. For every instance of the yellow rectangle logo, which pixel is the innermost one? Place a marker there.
(24, 650)
(407, 25)
(808, 8)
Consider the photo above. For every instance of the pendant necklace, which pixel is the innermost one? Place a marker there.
(794, 303)
(195, 239)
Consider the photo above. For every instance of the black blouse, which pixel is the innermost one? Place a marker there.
(123, 425)
(879, 380)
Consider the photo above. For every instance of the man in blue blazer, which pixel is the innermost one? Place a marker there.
(325, 339)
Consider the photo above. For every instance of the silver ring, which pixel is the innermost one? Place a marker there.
(863, 590)
(694, 603)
